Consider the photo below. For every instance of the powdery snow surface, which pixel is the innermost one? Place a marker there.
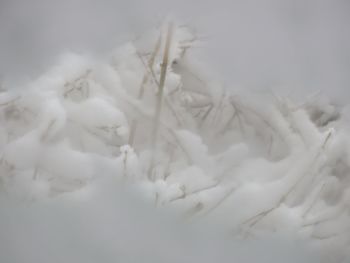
(84, 161)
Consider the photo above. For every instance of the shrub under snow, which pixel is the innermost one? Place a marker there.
(152, 121)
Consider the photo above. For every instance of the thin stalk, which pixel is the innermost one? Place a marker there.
(159, 102)
(142, 88)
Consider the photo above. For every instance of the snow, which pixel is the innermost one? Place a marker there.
(259, 170)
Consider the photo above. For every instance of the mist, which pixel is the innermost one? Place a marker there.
(290, 46)
(174, 131)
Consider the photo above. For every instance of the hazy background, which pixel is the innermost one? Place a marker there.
(294, 45)
(298, 46)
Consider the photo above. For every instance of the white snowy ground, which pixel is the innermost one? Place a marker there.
(234, 177)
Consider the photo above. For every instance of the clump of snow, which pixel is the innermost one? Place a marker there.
(254, 166)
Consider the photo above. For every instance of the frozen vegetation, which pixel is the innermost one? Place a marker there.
(82, 145)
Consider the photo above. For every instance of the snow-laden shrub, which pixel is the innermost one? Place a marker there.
(149, 117)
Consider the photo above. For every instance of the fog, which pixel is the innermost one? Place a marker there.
(218, 174)
(105, 226)
(298, 46)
